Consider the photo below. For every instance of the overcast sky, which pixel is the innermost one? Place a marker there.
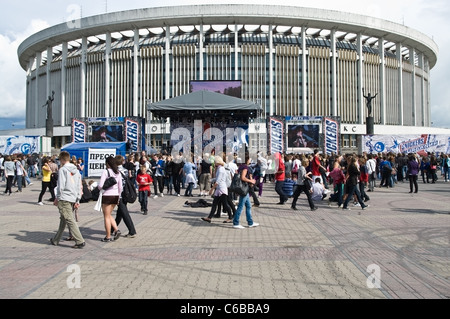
(20, 19)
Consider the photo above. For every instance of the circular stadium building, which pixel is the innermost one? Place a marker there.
(292, 61)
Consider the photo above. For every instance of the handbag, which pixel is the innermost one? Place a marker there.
(109, 182)
(238, 186)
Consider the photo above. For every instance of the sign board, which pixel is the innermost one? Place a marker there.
(331, 136)
(420, 144)
(97, 160)
(10, 145)
(276, 135)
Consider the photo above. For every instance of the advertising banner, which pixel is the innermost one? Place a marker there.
(276, 135)
(79, 131)
(331, 130)
(10, 145)
(97, 160)
(132, 134)
(420, 144)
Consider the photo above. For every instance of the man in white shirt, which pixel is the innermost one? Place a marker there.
(371, 170)
(319, 193)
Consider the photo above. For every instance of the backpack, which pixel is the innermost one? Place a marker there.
(129, 194)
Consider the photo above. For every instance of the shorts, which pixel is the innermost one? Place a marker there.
(110, 200)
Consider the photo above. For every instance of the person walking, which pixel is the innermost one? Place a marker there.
(413, 172)
(303, 186)
(144, 181)
(372, 171)
(9, 174)
(157, 166)
(67, 198)
(206, 171)
(280, 177)
(353, 174)
(220, 191)
(110, 198)
(122, 211)
(243, 171)
(189, 173)
(46, 173)
(338, 177)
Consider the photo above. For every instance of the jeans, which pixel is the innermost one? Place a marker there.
(31, 171)
(338, 196)
(176, 183)
(446, 173)
(158, 184)
(9, 182)
(353, 189)
(243, 201)
(413, 182)
(46, 185)
(189, 189)
(19, 180)
(143, 200)
(279, 189)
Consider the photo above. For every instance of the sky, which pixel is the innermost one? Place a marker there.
(20, 19)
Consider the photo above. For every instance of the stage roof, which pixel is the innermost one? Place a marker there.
(204, 103)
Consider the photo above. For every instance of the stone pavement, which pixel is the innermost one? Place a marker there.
(402, 239)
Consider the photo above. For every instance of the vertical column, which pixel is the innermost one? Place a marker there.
(108, 75)
(361, 104)
(37, 103)
(136, 111)
(382, 81)
(167, 63)
(304, 110)
(83, 77)
(48, 71)
(400, 83)
(334, 103)
(200, 54)
(271, 73)
(236, 52)
(63, 83)
(422, 89)
(413, 86)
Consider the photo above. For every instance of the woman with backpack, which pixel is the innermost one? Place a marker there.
(110, 197)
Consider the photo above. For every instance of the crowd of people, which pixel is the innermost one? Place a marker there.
(340, 178)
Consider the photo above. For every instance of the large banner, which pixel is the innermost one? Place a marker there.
(276, 135)
(331, 131)
(10, 145)
(110, 129)
(421, 144)
(97, 160)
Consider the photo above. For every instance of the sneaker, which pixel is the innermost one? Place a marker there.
(365, 208)
(156, 196)
(178, 195)
(130, 236)
(254, 225)
(30, 184)
(117, 235)
(346, 208)
(162, 195)
(238, 227)
(356, 204)
(145, 213)
(40, 204)
(314, 209)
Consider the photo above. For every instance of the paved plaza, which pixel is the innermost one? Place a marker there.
(397, 249)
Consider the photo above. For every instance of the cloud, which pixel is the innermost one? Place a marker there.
(12, 83)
